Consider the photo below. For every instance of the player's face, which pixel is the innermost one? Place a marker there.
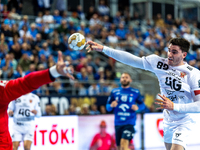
(175, 55)
(125, 80)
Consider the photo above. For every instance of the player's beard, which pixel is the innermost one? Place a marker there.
(125, 83)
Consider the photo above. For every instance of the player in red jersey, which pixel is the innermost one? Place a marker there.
(102, 140)
(10, 90)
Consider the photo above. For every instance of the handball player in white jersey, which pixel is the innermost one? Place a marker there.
(24, 109)
(179, 86)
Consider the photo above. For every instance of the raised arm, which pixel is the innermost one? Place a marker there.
(124, 57)
(15, 88)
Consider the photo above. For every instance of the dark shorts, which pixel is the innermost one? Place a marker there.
(125, 132)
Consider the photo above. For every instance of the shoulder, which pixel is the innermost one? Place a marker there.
(115, 90)
(34, 96)
(134, 90)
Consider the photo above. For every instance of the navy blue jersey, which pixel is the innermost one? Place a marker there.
(126, 97)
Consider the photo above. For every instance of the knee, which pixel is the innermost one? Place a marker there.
(27, 147)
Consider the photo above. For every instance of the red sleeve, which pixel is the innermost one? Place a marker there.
(15, 88)
(94, 140)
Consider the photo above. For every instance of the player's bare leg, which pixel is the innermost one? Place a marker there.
(170, 146)
(16, 145)
(177, 147)
(124, 143)
(27, 145)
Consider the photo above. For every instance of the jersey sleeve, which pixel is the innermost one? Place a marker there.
(37, 106)
(15, 88)
(150, 62)
(109, 101)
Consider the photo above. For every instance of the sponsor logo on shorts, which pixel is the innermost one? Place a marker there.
(178, 134)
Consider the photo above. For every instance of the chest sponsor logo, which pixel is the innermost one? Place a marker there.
(173, 83)
(169, 92)
(178, 134)
(30, 100)
(124, 107)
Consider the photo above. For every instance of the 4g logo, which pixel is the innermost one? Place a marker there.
(173, 83)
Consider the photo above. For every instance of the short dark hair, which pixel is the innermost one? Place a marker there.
(182, 43)
(127, 74)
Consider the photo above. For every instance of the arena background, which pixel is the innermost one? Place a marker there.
(68, 107)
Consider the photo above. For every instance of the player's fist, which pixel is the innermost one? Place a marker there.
(134, 107)
(114, 103)
(10, 113)
(34, 112)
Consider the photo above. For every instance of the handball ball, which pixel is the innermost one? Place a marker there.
(76, 41)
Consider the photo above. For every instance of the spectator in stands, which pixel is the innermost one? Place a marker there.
(9, 20)
(14, 31)
(5, 12)
(24, 32)
(102, 109)
(94, 20)
(5, 29)
(18, 72)
(14, 14)
(57, 17)
(24, 22)
(90, 73)
(112, 38)
(102, 140)
(72, 110)
(74, 18)
(121, 32)
(82, 90)
(90, 12)
(62, 29)
(85, 109)
(47, 18)
(24, 62)
(93, 89)
(81, 14)
(56, 88)
(39, 18)
(103, 9)
(45, 50)
(160, 23)
(48, 110)
(3, 47)
(169, 21)
(32, 68)
(7, 67)
(65, 16)
(94, 110)
(37, 43)
(33, 31)
(54, 110)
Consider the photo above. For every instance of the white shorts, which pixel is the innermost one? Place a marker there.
(177, 133)
(23, 132)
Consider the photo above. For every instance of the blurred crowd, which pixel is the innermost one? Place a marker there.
(31, 44)
(85, 109)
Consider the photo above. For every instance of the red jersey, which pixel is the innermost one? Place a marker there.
(10, 90)
(106, 141)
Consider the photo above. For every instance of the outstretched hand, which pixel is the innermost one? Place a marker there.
(164, 103)
(61, 67)
(94, 46)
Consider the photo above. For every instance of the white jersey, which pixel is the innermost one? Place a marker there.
(23, 106)
(178, 83)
